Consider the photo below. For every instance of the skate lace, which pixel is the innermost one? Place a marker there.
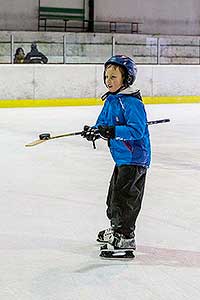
(108, 231)
(108, 235)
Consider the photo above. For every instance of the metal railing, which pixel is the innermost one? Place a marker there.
(145, 50)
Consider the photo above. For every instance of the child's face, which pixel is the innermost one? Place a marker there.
(113, 78)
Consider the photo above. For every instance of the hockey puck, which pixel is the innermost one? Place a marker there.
(44, 136)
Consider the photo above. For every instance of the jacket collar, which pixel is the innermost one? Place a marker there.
(127, 91)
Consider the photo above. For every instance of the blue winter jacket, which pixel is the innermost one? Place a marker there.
(125, 111)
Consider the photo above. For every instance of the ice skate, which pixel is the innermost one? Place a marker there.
(118, 247)
(104, 236)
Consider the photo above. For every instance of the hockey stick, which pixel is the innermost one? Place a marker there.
(46, 136)
(158, 121)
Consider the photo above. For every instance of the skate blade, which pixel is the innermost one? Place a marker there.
(117, 254)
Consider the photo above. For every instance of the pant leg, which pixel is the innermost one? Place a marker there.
(111, 191)
(125, 197)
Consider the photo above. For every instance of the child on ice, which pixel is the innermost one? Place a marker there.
(123, 123)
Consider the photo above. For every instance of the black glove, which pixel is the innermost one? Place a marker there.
(91, 134)
(107, 132)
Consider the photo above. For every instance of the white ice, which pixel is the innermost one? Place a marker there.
(52, 204)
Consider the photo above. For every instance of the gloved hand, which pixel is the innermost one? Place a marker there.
(107, 132)
(91, 134)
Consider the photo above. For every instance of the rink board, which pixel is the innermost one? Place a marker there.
(91, 101)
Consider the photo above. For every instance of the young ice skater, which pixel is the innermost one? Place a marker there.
(123, 123)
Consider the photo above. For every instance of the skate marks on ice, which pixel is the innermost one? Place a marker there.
(49, 259)
(59, 268)
(145, 255)
(149, 255)
(70, 250)
(167, 161)
(76, 272)
(16, 242)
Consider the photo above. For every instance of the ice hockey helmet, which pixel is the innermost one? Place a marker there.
(125, 62)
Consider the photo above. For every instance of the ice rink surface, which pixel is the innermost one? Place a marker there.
(52, 205)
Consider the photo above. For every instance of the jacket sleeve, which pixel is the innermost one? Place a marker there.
(101, 120)
(136, 121)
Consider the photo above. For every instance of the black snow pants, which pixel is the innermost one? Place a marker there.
(125, 198)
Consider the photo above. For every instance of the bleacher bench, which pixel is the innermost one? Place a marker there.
(60, 13)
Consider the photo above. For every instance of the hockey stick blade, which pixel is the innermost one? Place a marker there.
(34, 143)
(40, 141)
(37, 142)
(158, 121)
